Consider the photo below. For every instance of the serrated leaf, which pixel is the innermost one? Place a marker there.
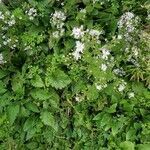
(29, 123)
(40, 94)
(37, 81)
(57, 79)
(48, 119)
(17, 84)
(33, 107)
(12, 112)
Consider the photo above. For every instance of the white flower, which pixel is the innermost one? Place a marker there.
(83, 10)
(95, 33)
(5, 42)
(119, 37)
(59, 15)
(32, 12)
(105, 53)
(131, 95)
(103, 67)
(98, 86)
(78, 50)
(122, 86)
(78, 32)
(119, 71)
(55, 34)
(11, 22)
(1, 16)
(1, 59)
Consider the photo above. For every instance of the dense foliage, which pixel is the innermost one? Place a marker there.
(74, 74)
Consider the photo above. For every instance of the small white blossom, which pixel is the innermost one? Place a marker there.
(78, 32)
(105, 53)
(1, 59)
(131, 95)
(1, 16)
(55, 34)
(59, 15)
(119, 71)
(5, 42)
(11, 22)
(103, 67)
(83, 11)
(78, 50)
(122, 86)
(32, 12)
(98, 86)
(94, 33)
(119, 37)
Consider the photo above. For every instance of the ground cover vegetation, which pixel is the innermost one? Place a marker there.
(74, 75)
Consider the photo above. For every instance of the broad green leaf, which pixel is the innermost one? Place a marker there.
(48, 119)
(127, 145)
(57, 79)
(37, 81)
(112, 109)
(40, 94)
(33, 107)
(17, 84)
(12, 112)
(29, 123)
(143, 147)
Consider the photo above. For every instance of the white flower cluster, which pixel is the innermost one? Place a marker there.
(128, 22)
(78, 50)
(100, 86)
(8, 19)
(103, 67)
(94, 33)
(57, 21)
(9, 42)
(104, 55)
(6, 40)
(131, 95)
(122, 86)
(78, 32)
(12, 21)
(32, 13)
(1, 59)
(119, 71)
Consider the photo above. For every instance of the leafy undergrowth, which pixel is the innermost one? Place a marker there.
(75, 74)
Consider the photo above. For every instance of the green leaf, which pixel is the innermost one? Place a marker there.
(37, 81)
(127, 145)
(57, 79)
(40, 94)
(33, 107)
(2, 87)
(143, 147)
(48, 119)
(17, 84)
(29, 123)
(2, 74)
(112, 109)
(12, 112)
